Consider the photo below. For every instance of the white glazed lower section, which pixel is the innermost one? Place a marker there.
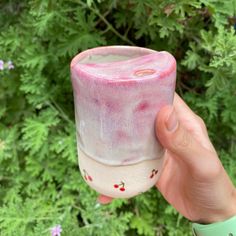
(119, 181)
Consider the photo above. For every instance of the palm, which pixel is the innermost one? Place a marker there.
(187, 187)
(173, 186)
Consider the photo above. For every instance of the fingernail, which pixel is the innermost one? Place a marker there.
(172, 122)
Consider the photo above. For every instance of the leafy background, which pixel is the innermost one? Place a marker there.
(40, 184)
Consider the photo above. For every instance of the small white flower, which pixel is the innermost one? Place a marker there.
(56, 230)
(1, 65)
(60, 142)
(10, 65)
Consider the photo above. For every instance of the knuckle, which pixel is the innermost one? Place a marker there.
(210, 171)
(201, 122)
(182, 139)
(214, 170)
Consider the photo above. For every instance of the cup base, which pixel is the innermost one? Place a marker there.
(119, 181)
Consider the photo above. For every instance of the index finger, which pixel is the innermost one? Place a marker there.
(104, 199)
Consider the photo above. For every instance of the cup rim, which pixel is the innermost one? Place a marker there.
(122, 49)
(81, 69)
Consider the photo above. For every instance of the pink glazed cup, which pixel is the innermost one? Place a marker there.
(118, 91)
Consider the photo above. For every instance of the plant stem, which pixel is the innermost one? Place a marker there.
(109, 25)
(128, 29)
(56, 107)
(181, 84)
(5, 178)
(76, 207)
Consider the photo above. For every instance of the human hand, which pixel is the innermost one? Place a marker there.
(192, 179)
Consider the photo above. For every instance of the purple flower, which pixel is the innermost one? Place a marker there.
(1, 65)
(10, 65)
(56, 230)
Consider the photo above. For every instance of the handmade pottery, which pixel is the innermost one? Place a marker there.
(118, 91)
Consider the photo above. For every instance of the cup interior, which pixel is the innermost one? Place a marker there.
(109, 54)
(98, 59)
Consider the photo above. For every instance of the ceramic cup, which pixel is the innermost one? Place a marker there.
(118, 91)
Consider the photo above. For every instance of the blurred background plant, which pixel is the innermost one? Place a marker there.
(40, 184)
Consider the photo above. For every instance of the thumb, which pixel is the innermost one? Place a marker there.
(178, 139)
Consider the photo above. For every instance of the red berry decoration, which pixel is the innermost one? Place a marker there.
(87, 176)
(154, 172)
(121, 185)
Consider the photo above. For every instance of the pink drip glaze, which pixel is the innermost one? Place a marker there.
(117, 102)
(122, 136)
(142, 106)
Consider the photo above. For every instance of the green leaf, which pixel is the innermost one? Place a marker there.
(36, 129)
(142, 225)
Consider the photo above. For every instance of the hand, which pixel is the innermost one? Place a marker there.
(193, 179)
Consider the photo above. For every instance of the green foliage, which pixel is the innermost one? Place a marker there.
(40, 184)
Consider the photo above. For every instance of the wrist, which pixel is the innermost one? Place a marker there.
(226, 227)
(222, 223)
(224, 214)
(231, 210)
